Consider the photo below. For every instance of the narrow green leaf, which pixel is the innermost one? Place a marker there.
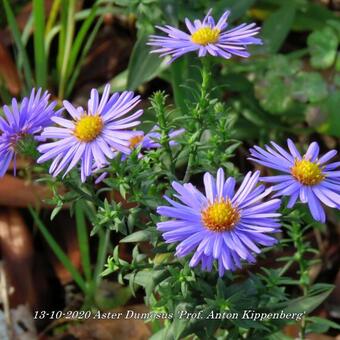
(143, 66)
(58, 251)
(138, 236)
(303, 304)
(27, 31)
(65, 42)
(53, 15)
(17, 38)
(85, 51)
(103, 248)
(56, 211)
(179, 75)
(83, 240)
(276, 28)
(239, 8)
(79, 16)
(39, 43)
(79, 39)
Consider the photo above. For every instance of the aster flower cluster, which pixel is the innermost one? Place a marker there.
(89, 136)
(21, 120)
(225, 225)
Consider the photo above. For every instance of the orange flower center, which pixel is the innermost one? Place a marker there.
(88, 128)
(307, 172)
(135, 140)
(220, 216)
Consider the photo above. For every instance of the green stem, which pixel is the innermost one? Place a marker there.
(83, 240)
(303, 270)
(286, 267)
(159, 106)
(197, 114)
(192, 156)
(104, 242)
(82, 193)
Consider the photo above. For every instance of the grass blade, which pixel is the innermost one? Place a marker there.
(17, 38)
(39, 43)
(85, 50)
(80, 37)
(103, 249)
(53, 15)
(83, 240)
(59, 252)
(65, 42)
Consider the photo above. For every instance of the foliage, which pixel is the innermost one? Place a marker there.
(284, 89)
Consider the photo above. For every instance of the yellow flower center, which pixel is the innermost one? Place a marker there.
(205, 35)
(307, 172)
(135, 140)
(88, 128)
(220, 216)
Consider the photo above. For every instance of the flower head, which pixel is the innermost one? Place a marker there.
(91, 135)
(307, 177)
(221, 225)
(206, 37)
(21, 120)
(152, 138)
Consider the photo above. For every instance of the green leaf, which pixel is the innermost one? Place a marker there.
(17, 38)
(274, 94)
(323, 46)
(320, 325)
(143, 66)
(277, 26)
(82, 233)
(39, 43)
(65, 42)
(56, 210)
(313, 17)
(139, 236)
(309, 87)
(304, 304)
(279, 336)
(85, 50)
(79, 39)
(237, 8)
(179, 74)
(59, 253)
(109, 295)
(331, 107)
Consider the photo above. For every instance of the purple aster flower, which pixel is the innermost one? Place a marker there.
(21, 120)
(206, 37)
(91, 136)
(307, 177)
(221, 225)
(151, 139)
